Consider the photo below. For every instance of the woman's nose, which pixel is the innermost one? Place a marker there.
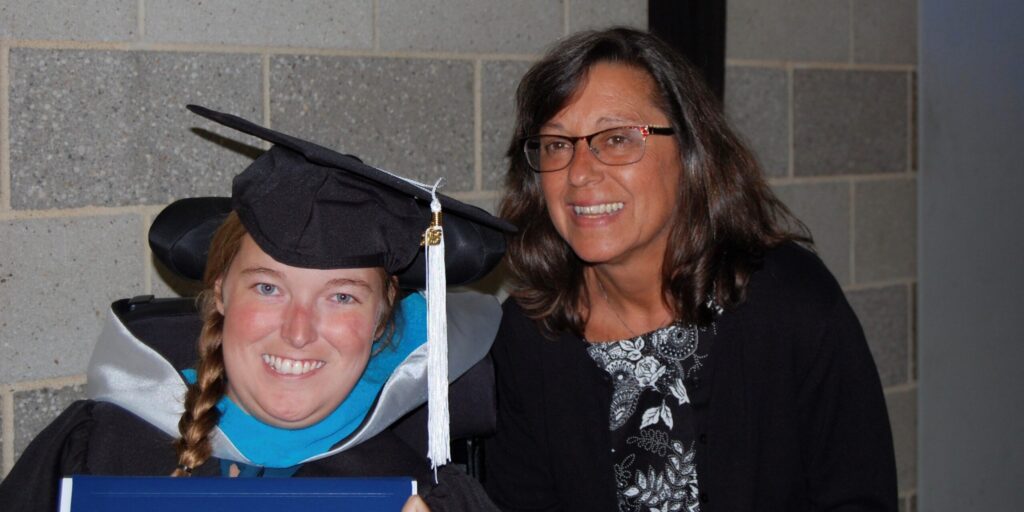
(299, 327)
(584, 168)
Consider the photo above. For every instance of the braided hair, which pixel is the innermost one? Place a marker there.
(201, 414)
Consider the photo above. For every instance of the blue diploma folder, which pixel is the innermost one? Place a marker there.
(160, 494)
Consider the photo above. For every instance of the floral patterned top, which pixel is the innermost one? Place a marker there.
(651, 419)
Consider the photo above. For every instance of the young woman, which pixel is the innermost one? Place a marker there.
(307, 352)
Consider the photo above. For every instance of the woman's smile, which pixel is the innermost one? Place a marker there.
(286, 366)
(593, 210)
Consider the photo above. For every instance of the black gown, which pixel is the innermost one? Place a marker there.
(129, 424)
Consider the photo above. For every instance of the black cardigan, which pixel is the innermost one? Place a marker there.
(790, 415)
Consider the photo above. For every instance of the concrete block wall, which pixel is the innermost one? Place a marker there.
(823, 90)
(94, 137)
(94, 140)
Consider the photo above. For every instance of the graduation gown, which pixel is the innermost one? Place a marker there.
(129, 423)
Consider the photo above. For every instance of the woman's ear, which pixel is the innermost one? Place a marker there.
(218, 294)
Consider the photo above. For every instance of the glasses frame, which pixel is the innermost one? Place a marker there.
(645, 130)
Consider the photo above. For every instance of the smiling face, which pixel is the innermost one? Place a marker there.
(614, 213)
(295, 340)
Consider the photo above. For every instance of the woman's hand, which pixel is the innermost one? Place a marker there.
(415, 504)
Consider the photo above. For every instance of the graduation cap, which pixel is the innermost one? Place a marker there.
(309, 206)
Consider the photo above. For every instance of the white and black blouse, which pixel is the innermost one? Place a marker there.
(651, 419)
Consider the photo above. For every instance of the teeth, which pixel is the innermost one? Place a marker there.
(291, 366)
(598, 209)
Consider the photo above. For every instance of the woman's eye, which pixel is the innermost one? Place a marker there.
(556, 146)
(266, 289)
(343, 298)
(616, 138)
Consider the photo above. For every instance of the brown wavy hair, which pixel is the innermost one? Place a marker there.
(201, 414)
(727, 216)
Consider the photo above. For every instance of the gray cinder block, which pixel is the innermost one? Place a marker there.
(475, 26)
(903, 418)
(306, 23)
(807, 30)
(757, 103)
(885, 230)
(885, 32)
(57, 278)
(849, 122)
(884, 313)
(825, 209)
(597, 14)
(81, 20)
(35, 409)
(411, 116)
(498, 97)
(109, 128)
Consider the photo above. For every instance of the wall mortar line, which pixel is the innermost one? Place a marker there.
(910, 121)
(838, 66)
(375, 37)
(808, 180)
(85, 211)
(879, 284)
(899, 388)
(265, 89)
(7, 427)
(757, 63)
(853, 233)
(141, 20)
(889, 176)
(856, 66)
(817, 65)
(908, 495)
(62, 44)
(566, 11)
(148, 269)
(850, 15)
(272, 50)
(912, 332)
(6, 201)
(791, 128)
(478, 127)
(51, 383)
(840, 178)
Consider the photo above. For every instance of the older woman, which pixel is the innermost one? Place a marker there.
(668, 345)
(308, 353)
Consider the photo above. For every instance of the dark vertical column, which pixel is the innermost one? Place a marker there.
(697, 29)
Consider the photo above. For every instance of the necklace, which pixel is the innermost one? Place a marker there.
(604, 295)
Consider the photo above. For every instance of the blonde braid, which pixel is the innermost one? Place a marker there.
(201, 414)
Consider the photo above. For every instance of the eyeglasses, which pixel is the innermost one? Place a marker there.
(622, 145)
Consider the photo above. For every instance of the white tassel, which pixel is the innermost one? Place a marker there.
(438, 442)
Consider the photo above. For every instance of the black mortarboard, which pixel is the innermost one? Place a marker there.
(308, 206)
